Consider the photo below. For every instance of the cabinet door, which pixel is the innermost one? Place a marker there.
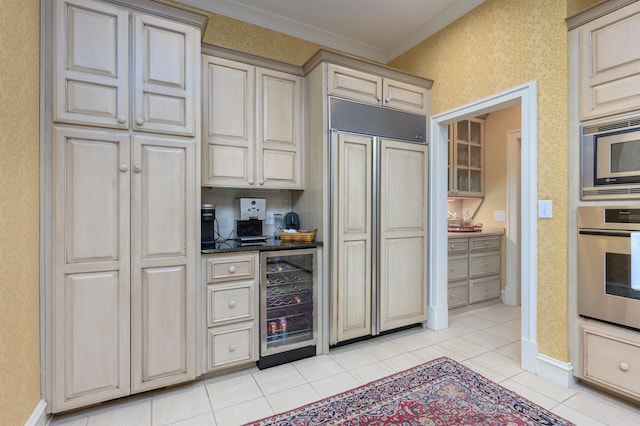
(228, 111)
(163, 261)
(90, 308)
(352, 256)
(165, 55)
(356, 85)
(405, 97)
(91, 64)
(468, 160)
(403, 234)
(610, 64)
(279, 138)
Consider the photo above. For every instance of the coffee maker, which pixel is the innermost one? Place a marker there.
(207, 227)
(249, 227)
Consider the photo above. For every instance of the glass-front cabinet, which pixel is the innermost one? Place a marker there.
(466, 158)
(288, 298)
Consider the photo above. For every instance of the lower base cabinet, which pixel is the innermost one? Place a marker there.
(610, 358)
(473, 269)
(232, 309)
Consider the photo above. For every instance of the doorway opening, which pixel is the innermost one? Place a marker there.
(525, 96)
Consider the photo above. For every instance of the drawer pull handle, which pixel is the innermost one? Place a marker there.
(624, 366)
(232, 348)
(486, 243)
(232, 269)
(232, 304)
(453, 296)
(451, 269)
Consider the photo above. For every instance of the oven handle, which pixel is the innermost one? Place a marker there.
(635, 260)
(607, 233)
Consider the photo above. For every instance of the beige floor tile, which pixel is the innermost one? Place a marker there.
(544, 386)
(463, 347)
(231, 390)
(499, 363)
(276, 379)
(371, 372)
(403, 362)
(130, 413)
(243, 413)
(352, 357)
(437, 351)
(180, 403)
(202, 420)
(512, 350)
(410, 340)
(575, 417)
(530, 394)
(604, 409)
(487, 340)
(383, 348)
(74, 419)
(475, 322)
(484, 371)
(335, 384)
(505, 332)
(318, 367)
(292, 398)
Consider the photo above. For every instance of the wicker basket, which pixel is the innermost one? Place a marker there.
(298, 237)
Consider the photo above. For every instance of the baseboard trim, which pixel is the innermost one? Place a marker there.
(528, 353)
(38, 416)
(557, 371)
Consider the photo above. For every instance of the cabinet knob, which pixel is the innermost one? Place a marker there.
(232, 304)
(486, 243)
(451, 269)
(250, 181)
(123, 168)
(137, 168)
(452, 246)
(232, 269)
(486, 265)
(139, 121)
(624, 366)
(121, 118)
(261, 182)
(453, 296)
(387, 100)
(232, 348)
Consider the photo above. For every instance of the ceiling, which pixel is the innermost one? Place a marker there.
(379, 30)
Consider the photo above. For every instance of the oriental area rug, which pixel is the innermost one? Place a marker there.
(440, 392)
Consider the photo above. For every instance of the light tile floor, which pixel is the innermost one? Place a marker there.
(485, 340)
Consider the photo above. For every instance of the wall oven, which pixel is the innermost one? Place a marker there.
(609, 264)
(611, 159)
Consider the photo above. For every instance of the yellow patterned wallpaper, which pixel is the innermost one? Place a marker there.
(499, 45)
(19, 204)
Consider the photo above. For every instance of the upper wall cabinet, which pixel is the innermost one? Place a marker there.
(376, 90)
(610, 64)
(252, 126)
(466, 158)
(96, 84)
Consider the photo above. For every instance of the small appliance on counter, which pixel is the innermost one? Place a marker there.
(207, 227)
(292, 221)
(249, 226)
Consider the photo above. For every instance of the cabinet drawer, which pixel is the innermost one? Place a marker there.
(484, 289)
(483, 264)
(611, 360)
(458, 245)
(227, 268)
(458, 295)
(352, 84)
(226, 303)
(458, 268)
(231, 345)
(485, 243)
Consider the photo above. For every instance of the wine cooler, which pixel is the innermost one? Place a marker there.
(288, 306)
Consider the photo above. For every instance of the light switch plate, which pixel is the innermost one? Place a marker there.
(545, 208)
(499, 216)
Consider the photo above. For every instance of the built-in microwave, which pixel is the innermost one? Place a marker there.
(611, 160)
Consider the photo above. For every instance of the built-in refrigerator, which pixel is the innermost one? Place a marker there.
(379, 220)
(288, 306)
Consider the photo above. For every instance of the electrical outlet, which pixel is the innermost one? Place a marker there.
(545, 208)
(269, 218)
(499, 216)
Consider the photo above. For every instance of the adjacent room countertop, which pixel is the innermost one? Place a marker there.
(230, 246)
(485, 232)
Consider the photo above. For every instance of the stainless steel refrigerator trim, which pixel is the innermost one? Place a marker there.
(264, 350)
(375, 237)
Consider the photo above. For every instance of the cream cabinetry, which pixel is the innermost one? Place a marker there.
(610, 357)
(95, 82)
(474, 269)
(123, 293)
(466, 158)
(252, 126)
(610, 63)
(376, 90)
(232, 309)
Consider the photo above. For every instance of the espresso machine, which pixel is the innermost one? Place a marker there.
(207, 227)
(249, 226)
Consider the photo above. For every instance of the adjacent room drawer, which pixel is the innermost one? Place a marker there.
(457, 268)
(484, 264)
(460, 245)
(458, 295)
(484, 289)
(231, 344)
(484, 243)
(231, 267)
(230, 302)
(611, 360)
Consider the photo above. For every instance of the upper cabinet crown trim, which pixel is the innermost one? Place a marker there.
(594, 12)
(175, 12)
(248, 58)
(324, 55)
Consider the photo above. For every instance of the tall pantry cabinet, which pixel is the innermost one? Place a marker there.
(121, 131)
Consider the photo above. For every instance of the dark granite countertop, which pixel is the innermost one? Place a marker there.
(271, 244)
